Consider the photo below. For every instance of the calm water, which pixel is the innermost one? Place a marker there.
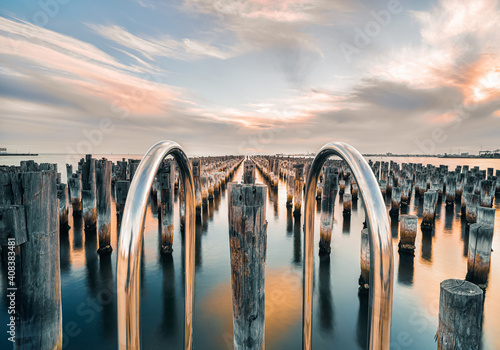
(340, 315)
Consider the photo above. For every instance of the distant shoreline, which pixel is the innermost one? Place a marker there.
(18, 154)
(457, 156)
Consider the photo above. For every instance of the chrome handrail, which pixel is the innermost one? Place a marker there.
(381, 255)
(130, 244)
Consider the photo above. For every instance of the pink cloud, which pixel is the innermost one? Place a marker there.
(89, 72)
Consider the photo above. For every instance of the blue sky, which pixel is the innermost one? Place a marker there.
(258, 76)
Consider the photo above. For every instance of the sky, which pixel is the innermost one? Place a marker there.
(249, 77)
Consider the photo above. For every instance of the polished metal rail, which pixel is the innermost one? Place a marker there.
(130, 244)
(381, 256)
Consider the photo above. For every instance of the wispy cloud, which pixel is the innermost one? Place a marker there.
(149, 47)
(78, 71)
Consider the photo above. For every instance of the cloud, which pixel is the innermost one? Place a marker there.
(149, 47)
(403, 98)
(81, 74)
(459, 49)
(279, 28)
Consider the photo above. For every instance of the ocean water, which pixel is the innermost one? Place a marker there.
(339, 316)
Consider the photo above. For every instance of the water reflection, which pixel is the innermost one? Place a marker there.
(198, 259)
(289, 221)
(77, 233)
(426, 252)
(394, 227)
(85, 275)
(406, 269)
(326, 308)
(362, 321)
(153, 204)
(297, 246)
(216, 204)
(283, 309)
(448, 218)
(465, 236)
(107, 297)
(346, 225)
(64, 251)
(211, 210)
(168, 326)
(91, 262)
(204, 217)
(275, 201)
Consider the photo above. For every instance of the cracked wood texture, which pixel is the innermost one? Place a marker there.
(248, 239)
(38, 280)
(460, 315)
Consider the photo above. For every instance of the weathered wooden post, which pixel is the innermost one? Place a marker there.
(121, 192)
(468, 189)
(62, 195)
(89, 202)
(204, 190)
(248, 239)
(486, 193)
(407, 233)
(478, 262)
(196, 165)
(166, 179)
(75, 190)
(395, 201)
(103, 187)
(347, 203)
(182, 206)
(486, 216)
(298, 189)
(341, 187)
(276, 170)
(290, 187)
(489, 172)
(472, 203)
(451, 189)
(364, 278)
(460, 315)
(327, 206)
(249, 173)
(354, 191)
(211, 186)
(422, 184)
(497, 182)
(29, 231)
(69, 170)
(429, 211)
(405, 193)
(383, 187)
(133, 164)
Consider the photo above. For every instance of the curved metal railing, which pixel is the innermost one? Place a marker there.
(130, 244)
(381, 256)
